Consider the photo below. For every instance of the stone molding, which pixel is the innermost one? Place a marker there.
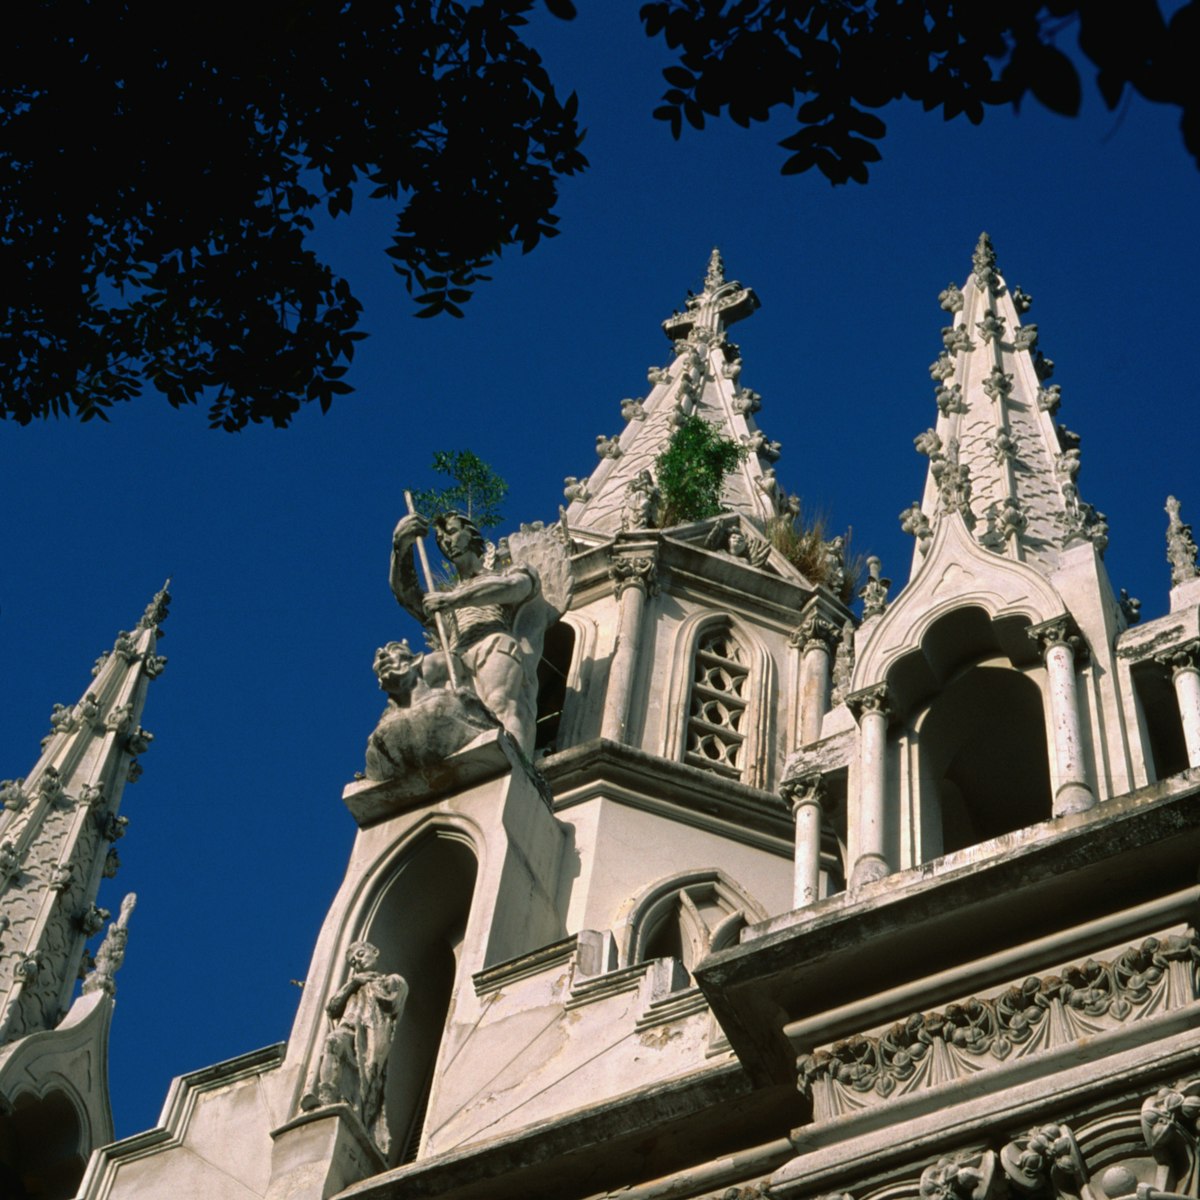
(1036, 1015)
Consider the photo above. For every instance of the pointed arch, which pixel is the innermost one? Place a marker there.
(43, 1143)
(720, 678)
(684, 916)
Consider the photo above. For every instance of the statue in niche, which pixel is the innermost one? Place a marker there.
(495, 615)
(728, 537)
(353, 1067)
(421, 725)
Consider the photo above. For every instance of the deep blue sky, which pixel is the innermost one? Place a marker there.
(278, 541)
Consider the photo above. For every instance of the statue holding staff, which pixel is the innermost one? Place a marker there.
(494, 616)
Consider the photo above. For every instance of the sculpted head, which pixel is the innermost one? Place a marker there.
(362, 956)
(458, 536)
(398, 669)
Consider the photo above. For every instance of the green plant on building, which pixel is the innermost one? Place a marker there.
(691, 470)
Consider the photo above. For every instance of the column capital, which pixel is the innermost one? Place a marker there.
(1059, 631)
(639, 571)
(801, 790)
(1184, 657)
(815, 630)
(875, 699)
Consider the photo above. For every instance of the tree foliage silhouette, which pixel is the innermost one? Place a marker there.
(159, 176)
(836, 59)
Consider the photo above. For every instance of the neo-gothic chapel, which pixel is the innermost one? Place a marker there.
(727, 890)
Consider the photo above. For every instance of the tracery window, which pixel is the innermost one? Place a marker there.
(716, 736)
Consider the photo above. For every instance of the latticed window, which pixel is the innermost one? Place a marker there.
(717, 708)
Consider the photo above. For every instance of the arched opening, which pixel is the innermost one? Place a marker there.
(418, 924)
(554, 667)
(686, 917)
(983, 754)
(42, 1154)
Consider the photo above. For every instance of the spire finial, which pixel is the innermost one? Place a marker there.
(156, 610)
(1181, 546)
(102, 976)
(983, 262)
(715, 276)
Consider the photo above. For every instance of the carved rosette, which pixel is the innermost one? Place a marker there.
(1044, 1162)
(639, 572)
(1060, 631)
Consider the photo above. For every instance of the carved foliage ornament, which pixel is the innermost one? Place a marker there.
(1035, 1015)
(1181, 546)
(637, 572)
(815, 631)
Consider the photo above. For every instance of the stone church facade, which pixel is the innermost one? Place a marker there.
(726, 891)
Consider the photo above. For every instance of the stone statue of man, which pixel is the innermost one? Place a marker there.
(494, 616)
(353, 1069)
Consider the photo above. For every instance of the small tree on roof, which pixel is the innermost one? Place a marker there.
(477, 490)
(692, 469)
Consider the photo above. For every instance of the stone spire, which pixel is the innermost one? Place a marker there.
(57, 830)
(703, 378)
(996, 454)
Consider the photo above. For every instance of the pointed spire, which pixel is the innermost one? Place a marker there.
(704, 379)
(715, 276)
(1181, 546)
(1005, 466)
(58, 827)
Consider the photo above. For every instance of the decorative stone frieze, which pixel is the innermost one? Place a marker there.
(1032, 1017)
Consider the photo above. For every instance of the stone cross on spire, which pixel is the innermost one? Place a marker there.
(707, 315)
(703, 380)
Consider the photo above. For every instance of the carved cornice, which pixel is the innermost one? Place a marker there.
(1059, 631)
(876, 699)
(1184, 657)
(640, 572)
(1031, 1017)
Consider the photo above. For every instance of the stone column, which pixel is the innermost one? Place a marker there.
(871, 708)
(815, 637)
(635, 579)
(1061, 645)
(807, 796)
(1184, 661)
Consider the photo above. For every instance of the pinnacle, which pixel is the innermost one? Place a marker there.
(983, 262)
(715, 275)
(156, 610)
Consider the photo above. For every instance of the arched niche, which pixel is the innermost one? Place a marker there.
(686, 916)
(42, 1151)
(554, 678)
(983, 758)
(418, 921)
